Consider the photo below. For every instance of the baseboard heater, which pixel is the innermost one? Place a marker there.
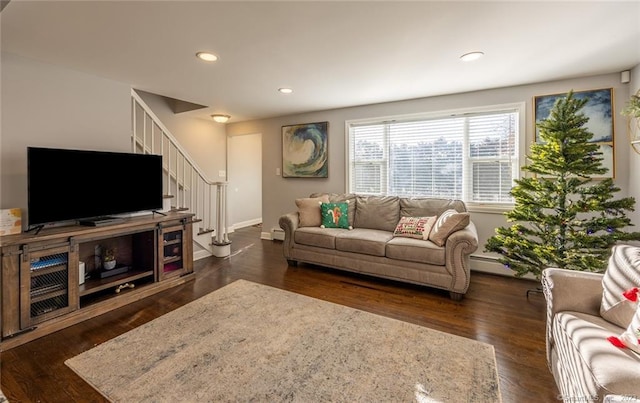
(277, 234)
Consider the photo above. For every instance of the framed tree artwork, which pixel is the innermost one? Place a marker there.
(599, 110)
(305, 151)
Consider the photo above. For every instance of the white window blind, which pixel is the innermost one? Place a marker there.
(473, 157)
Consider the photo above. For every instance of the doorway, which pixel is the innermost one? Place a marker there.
(244, 173)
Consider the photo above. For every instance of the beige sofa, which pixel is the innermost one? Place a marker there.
(371, 247)
(586, 366)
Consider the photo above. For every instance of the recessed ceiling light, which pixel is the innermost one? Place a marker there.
(468, 57)
(285, 90)
(207, 57)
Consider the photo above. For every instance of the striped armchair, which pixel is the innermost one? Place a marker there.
(585, 365)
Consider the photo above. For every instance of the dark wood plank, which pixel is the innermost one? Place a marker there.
(495, 311)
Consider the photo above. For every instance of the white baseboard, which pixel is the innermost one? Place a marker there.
(201, 254)
(244, 224)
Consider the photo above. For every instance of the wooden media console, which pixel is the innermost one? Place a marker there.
(40, 273)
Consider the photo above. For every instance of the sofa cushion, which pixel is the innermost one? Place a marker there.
(309, 210)
(415, 250)
(334, 215)
(377, 212)
(414, 227)
(622, 274)
(449, 222)
(419, 207)
(316, 236)
(363, 240)
(337, 198)
(586, 355)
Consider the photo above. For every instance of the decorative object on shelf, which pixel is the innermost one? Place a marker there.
(97, 257)
(562, 218)
(305, 152)
(124, 286)
(598, 109)
(632, 111)
(10, 221)
(109, 259)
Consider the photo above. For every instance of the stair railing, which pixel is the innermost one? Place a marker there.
(184, 182)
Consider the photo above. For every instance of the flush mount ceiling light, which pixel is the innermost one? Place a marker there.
(468, 57)
(285, 90)
(221, 118)
(206, 56)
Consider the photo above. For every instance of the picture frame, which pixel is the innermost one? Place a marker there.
(305, 150)
(599, 110)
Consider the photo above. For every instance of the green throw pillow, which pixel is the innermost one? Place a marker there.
(334, 215)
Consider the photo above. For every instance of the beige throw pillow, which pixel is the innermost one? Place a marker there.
(449, 222)
(622, 274)
(309, 210)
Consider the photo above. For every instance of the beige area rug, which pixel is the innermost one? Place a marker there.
(250, 342)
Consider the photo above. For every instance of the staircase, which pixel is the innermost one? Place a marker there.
(185, 186)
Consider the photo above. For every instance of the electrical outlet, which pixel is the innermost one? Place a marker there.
(222, 173)
(278, 171)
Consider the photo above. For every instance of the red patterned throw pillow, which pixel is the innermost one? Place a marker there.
(415, 227)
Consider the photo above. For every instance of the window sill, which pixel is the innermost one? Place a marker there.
(489, 208)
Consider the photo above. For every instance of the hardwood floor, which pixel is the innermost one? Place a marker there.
(495, 310)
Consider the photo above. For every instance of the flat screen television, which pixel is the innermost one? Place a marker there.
(67, 184)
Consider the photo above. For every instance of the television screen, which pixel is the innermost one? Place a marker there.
(66, 184)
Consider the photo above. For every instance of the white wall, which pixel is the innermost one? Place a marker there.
(48, 106)
(634, 163)
(279, 193)
(245, 180)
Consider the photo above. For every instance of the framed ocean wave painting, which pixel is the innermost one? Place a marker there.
(305, 150)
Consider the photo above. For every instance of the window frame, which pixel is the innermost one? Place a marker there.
(492, 207)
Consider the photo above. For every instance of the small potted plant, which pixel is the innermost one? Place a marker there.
(109, 259)
(632, 108)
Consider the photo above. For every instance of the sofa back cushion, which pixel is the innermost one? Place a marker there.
(622, 274)
(426, 207)
(377, 212)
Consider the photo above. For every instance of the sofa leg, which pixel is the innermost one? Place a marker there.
(455, 296)
(292, 262)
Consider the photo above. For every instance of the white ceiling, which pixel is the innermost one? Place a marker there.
(333, 54)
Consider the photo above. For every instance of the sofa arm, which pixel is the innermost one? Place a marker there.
(569, 290)
(459, 246)
(289, 223)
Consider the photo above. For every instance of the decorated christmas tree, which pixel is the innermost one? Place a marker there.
(564, 215)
